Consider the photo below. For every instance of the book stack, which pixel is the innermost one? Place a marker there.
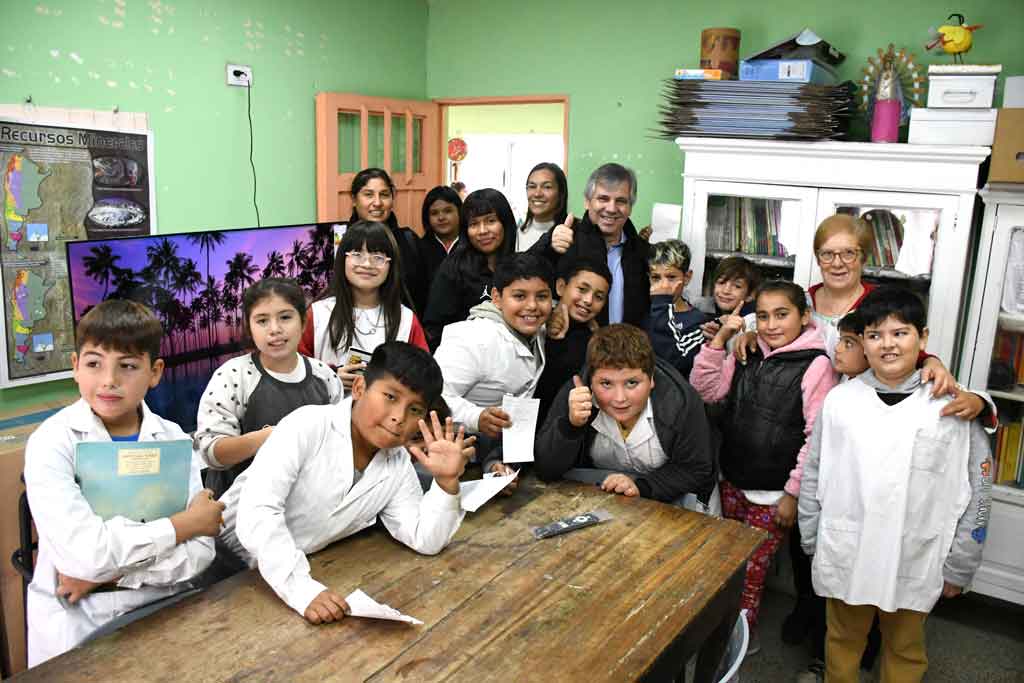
(745, 224)
(1008, 463)
(755, 109)
(1009, 349)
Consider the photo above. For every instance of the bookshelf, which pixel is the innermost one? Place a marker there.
(993, 359)
(916, 195)
(763, 199)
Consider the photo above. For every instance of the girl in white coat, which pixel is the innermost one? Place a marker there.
(363, 308)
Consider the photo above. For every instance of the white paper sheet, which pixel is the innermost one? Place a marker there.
(362, 605)
(665, 222)
(475, 493)
(517, 440)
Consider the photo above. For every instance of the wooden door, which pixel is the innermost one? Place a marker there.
(354, 132)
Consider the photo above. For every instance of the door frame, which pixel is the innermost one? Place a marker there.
(446, 102)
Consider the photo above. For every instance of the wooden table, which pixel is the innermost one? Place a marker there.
(628, 599)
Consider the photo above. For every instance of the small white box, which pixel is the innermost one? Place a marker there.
(975, 92)
(1013, 92)
(952, 126)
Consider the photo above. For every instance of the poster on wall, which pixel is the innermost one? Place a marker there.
(59, 184)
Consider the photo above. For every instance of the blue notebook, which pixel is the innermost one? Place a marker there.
(140, 480)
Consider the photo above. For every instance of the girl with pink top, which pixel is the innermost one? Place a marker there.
(770, 405)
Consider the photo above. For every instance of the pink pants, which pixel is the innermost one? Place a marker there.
(736, 506)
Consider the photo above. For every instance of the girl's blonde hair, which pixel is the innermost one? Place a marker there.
(851, 225)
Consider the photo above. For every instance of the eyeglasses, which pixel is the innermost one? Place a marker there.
(361, 258)
(846, 255)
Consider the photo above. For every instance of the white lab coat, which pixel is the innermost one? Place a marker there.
(297, 497)
(78, 543)
(482, 360)
(890, 497)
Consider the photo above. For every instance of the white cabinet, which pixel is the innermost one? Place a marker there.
(764, 199)
(993, 334)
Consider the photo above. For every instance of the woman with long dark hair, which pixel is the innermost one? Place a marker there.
(373, 199)
(464, 279)
(547, 194)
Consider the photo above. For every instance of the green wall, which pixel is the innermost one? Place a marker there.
(610, 58)
(168, 59)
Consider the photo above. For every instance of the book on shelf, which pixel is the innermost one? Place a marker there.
(1008, 461)
(888, 236)
(1009, 349)
(745, 224)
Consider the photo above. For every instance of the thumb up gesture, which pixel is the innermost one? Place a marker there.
(561, 235)
(580, 403)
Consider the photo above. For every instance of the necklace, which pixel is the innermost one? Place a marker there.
(374, 325)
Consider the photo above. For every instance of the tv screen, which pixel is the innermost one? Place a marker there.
(194, 283)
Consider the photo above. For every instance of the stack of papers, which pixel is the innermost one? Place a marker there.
(755, 109)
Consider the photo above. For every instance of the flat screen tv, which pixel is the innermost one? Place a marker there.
(194, 283)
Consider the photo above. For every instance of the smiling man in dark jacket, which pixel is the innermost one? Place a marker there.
(605, 232)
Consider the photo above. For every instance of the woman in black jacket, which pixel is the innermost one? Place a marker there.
(486, 233)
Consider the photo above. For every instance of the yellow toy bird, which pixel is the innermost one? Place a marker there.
(954, 39)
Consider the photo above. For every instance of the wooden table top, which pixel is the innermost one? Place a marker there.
(596, 604)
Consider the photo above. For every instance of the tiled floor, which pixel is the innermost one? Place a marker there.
(972, 638)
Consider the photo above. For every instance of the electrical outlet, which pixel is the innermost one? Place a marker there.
(239, 75)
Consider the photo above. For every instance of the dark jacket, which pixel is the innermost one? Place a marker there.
(676, 337)
(432, 255)
(563, 358)
(764, 414)
(414, 276)
(679, 424)
(589, 244)
(454, 291)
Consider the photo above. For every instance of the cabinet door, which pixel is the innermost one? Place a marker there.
(918, 244)
(768, 224)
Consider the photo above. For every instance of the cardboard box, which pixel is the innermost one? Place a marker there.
(952, 126)
(1008, 149)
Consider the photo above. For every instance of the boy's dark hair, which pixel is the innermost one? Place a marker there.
(672, 253)
(410, 365)
(851, 323)
(569, 268)
(792, 291)
(896, 302)
(522, 266)
(121, 325)
(620, 346)
(286, 288)
(734, 267)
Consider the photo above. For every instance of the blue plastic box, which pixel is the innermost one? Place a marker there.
(787, 70)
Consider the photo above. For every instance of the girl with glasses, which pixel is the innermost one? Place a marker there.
(363, 307)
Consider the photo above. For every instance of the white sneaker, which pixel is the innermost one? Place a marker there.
(754, 643)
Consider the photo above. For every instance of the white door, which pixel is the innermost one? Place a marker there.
(920, 245)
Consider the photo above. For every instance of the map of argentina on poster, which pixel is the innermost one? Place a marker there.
(59, 184)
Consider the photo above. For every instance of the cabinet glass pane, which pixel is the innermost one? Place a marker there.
(903, 245)
(1006, 374)
(761, 230)
(398, 143)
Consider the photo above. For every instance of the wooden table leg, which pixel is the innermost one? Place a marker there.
(707, 635)
(726, 612)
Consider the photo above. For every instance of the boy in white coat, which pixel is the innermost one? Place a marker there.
(895, 497)
(89, 571)
(328, 471)
(498, 351)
